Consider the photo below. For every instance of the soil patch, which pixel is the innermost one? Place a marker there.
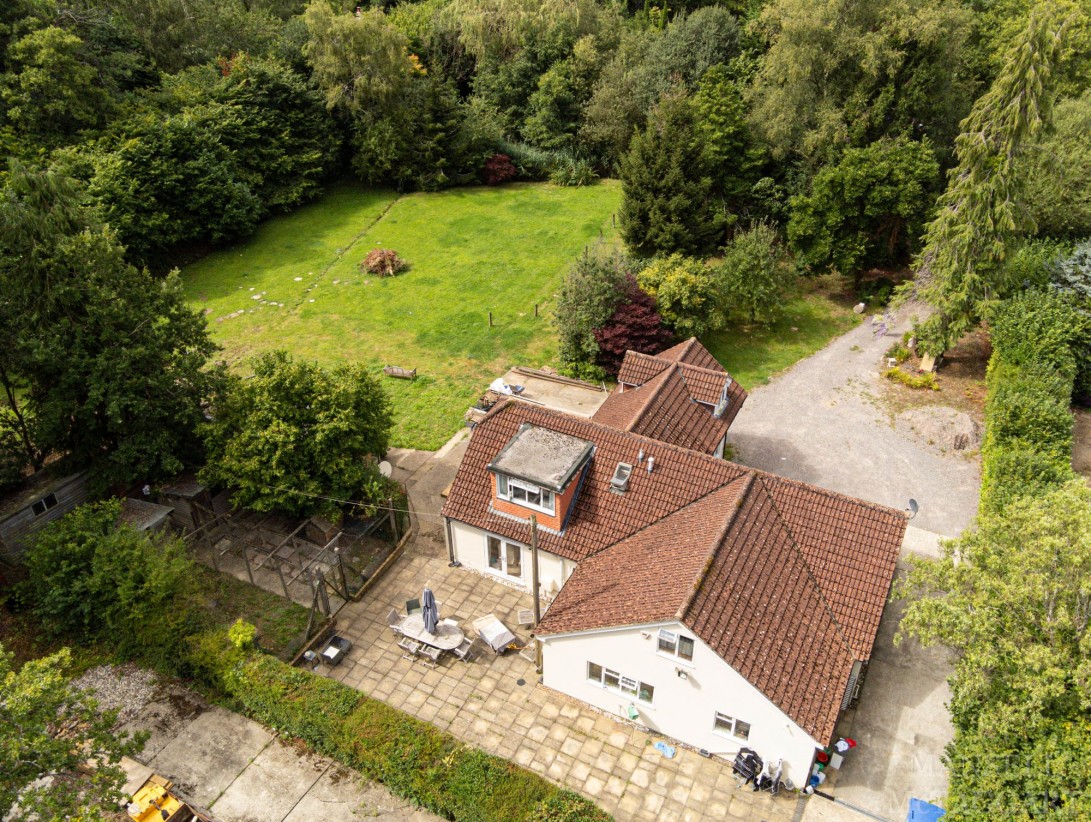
(1081, 447)
(961, 379)
(941, 428)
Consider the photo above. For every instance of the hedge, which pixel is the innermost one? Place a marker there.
(412, 758)
(1028, 427)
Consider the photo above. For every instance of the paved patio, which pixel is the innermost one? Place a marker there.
(484, 704)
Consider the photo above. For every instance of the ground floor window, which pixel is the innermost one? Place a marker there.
(732, 726)
(505, 558)
(613, 681)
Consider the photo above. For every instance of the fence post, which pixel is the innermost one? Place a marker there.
(490, 319)
(393, 519)
(246, 561)
(283, 584)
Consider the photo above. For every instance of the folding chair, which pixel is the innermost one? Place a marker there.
(464, 650)
(394, 620)
(430, 655)
(410, 646)
(412, 606)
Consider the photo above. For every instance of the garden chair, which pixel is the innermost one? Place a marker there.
(464, 651)
(394, 620)
(410, 646)
(412, 606)
(430, 655)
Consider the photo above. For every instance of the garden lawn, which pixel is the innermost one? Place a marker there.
(297, 285)
(813, 316)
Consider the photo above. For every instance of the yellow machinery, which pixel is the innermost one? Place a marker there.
(154, 802)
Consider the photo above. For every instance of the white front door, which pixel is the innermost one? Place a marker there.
(504, 558)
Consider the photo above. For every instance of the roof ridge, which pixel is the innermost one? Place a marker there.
(673, 513)
(716, 543)
(807, 567)
(653, 392)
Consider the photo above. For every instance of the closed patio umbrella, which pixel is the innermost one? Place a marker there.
(429, 611)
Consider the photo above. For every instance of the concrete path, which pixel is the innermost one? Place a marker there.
(821, 422)
(239, 771)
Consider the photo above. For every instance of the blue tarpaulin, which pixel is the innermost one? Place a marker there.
(921, 811)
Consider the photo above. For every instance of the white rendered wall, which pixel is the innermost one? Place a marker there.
(682, 708)
(470, 548)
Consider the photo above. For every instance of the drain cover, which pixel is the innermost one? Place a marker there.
(520, 682)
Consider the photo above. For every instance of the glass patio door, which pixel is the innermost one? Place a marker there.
(505, 558)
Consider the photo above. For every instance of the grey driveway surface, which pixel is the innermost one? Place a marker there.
(820, 422)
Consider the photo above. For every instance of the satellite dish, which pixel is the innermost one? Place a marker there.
(913, 508)
(385, 468)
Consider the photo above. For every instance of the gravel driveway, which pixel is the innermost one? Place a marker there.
(820, 422)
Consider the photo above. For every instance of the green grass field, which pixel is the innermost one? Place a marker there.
(296, 285)
(812, 317)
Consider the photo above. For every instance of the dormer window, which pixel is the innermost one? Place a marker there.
(526, 494)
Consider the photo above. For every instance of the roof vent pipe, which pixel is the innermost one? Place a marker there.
(640, 456)
(651, 464)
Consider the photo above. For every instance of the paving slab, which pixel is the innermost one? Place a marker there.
(209, 753)
(272, 785)
(341, 796)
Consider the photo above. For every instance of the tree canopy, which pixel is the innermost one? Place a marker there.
(298, 438)
(36, 701)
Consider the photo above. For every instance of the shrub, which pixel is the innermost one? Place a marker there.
(90, 578)
(898, 352)
(531, 163)
(752, 277)
(635, 325)
(498, 169)
(925, 380)
(573, 172)
(384, 261)
(590, 293)
(686, 293)
(1038, 328)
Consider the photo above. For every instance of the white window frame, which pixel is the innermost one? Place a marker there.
(504, 543)
(674, 641)
(734, 722)
(44, 504)
(505, 484)
(626, 685)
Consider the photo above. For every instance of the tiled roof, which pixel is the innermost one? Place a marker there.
(761, 609)
(785, 581)
(692, 352)
(661, 562)
(601, 517)
(672, 400)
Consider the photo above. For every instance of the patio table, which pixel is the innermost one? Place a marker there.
(494, 632)
(446, 637)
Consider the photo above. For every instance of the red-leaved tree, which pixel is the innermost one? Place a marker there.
(498, 169)
(634, 326)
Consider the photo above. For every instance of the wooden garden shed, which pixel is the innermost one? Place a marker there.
(44, 497)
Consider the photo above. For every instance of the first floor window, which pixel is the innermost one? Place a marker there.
(525, 494)
(732, 726)
(612, 680)
(677, 644)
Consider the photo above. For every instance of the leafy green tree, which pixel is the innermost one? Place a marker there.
(840, 73)
(556, 107)
(686, 293)
(729, 148)
(1058, 173)
(980, 211)
(667, 202)
(274, 124)
(866, 209)
(35, 701)
(752, 276)
(1010, 599)
(52, 92)
(296, 438)
(589, 295)
(358, 61)
(90, 577)
(100, 360)
(171, 181)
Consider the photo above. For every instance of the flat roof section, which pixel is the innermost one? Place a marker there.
(541, 456)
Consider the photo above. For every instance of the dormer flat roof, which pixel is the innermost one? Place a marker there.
(547, 458)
